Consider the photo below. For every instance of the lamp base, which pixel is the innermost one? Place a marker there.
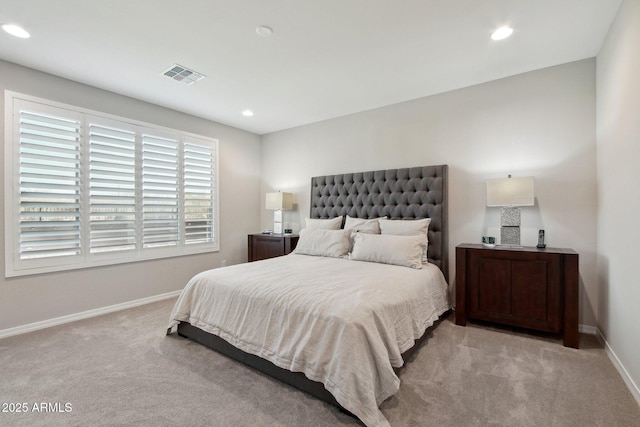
(510, 230)
(277, 222)
(510, 235)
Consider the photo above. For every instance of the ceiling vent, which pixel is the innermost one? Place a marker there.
(183, 74)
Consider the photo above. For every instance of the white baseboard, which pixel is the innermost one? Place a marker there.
(585, 329)
(633, 387)
(84, 315)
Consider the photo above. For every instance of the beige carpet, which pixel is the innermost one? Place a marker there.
(121, 370)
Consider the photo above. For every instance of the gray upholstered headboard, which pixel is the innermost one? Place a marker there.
(409, 193)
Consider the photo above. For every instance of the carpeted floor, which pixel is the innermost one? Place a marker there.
(120, 370)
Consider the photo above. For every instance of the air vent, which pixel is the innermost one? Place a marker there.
(183, 74)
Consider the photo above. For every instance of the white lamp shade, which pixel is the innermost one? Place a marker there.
(279, 201)
(510, 192)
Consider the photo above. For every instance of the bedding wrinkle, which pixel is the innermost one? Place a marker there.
(340, 322)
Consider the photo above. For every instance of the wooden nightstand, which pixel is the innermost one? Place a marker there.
(525, 287)
(263, 246)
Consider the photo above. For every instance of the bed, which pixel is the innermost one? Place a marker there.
(333, 318)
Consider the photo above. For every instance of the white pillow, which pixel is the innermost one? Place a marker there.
(404, 227)
(323, 242)
(388, 249)
(409, 227)
(362, 225)
(327, 224)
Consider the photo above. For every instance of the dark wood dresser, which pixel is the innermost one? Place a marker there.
(525, 287)
(263, 246)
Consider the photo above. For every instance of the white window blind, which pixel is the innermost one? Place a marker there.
(84, 189)
(49, 176)
(199, 184)
(112, 189)
(160, 194)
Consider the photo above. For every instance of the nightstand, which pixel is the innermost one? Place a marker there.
(263, 246)
(525, 287)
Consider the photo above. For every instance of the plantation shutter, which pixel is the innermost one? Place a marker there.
(160, 191)
(86, 189)
(49, 185)
(199, 163)
(112, 189)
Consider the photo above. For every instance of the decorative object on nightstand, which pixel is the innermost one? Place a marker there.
(523, 287)
(263, 246)
(541, 244)
(488, 241)
(278, 202)
(509, 194)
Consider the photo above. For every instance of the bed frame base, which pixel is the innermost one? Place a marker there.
(295, 379)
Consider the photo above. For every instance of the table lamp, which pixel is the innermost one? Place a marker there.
(510, 194)
(278, 202)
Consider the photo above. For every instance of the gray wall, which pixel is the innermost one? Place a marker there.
(618, 130)
(30, 299)
(540, 123)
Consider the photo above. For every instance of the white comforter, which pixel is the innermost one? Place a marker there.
(342, 323)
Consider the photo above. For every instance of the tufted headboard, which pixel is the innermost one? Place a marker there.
(408, 193)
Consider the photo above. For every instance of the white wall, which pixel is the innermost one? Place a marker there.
(25, 300)
(618, 160)
(540, 123)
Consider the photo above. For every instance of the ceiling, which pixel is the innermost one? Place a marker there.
(325, 58)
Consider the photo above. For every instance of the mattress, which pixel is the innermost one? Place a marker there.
(342, 323)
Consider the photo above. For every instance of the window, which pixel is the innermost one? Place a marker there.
(84, 189)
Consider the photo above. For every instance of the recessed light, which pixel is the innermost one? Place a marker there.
(16, 30)
(247, 113)
(264, 31)
(502, 33)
